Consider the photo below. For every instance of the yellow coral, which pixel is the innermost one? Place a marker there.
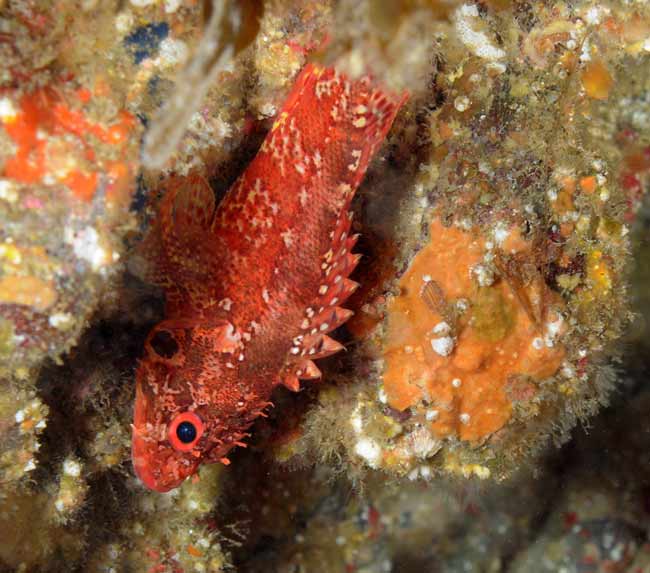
(454, 466)
(29, 291)
(597, 80)
(598, 273)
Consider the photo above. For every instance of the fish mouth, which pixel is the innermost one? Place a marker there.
(155, 466)
(142, 447)
(150, 471)
(142, 467)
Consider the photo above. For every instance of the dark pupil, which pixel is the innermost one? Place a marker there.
(163, 344)
(186, 432)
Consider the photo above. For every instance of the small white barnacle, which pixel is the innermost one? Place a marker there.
(432, 415)
(442, 346)
(443, 343)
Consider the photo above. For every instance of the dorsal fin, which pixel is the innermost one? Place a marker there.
(326, 314)
(355, 117)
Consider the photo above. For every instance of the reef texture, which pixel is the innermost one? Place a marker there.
(501, 284)
(501, 225)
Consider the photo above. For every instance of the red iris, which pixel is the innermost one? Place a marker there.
(185, 431)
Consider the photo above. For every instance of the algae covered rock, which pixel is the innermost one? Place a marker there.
(499, 224)
(490, 330)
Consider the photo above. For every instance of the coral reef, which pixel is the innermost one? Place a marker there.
(504, 290)
(499, 224)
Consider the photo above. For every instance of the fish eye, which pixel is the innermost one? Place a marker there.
(185, 431)
(164, 344)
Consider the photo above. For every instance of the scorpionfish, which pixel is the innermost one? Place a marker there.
(254, 285)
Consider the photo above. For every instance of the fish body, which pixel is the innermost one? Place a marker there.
(253, 286)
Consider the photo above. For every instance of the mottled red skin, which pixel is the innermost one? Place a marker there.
(253, 286)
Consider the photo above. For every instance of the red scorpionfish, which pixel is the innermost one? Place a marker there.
(254, 285)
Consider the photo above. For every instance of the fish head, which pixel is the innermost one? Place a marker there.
(187, 408)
